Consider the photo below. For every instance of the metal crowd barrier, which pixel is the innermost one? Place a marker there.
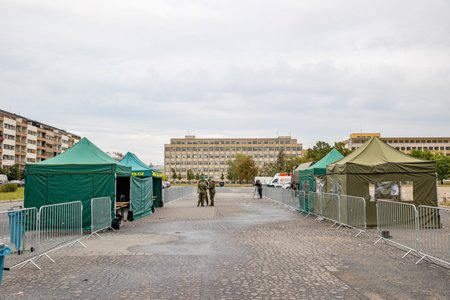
(18, 230)
(353, 213)
(330, 207)
(302, 201)
(316, 199)
(433, 233)
(397, 224)
(101, 218)
(425, 230)
(60, 225)
(177, 192)
(284, 196)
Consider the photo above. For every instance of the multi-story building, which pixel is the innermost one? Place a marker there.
(210, 155)
(27, 141)
(404, 144)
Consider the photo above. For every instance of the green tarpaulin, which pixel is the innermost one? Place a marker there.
(378, 171)
(141, 187)
(308, 176)
(141, 197)
(81, 173)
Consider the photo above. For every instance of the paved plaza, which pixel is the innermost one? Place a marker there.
(242, 248)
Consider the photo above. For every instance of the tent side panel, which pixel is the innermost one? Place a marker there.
(141, 198)
(35, 191)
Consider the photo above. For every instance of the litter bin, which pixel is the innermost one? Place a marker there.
(222, 184)
(3, 251)
(16, 227)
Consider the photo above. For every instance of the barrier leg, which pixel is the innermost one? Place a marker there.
(378, 241)
(410, 250)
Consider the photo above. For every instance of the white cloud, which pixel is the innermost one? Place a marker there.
(130, 75)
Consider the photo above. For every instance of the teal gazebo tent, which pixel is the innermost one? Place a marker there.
(141, 170)
(309, 176)
(141, 186)
(79, 174)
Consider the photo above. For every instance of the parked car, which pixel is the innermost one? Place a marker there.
(19, 183)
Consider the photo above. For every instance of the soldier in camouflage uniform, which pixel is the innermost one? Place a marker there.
(202, 192)
(212, 191)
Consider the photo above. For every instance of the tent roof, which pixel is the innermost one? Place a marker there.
(332, 157)
(83, 153)
(375, 156)
(304, 166)
(136, 164)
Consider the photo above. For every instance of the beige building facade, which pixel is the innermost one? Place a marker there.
(210, 155)
(404, 144)
(27, 141)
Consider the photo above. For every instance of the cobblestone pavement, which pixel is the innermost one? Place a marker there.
(242, 248)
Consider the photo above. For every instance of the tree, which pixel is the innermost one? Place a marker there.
(197, 176)
(190, 175)
(14, 173)
(222, 177)
(242, 168)
(443, 167)
(422, 154)
(179, 176)
(268, 169)
(280, 163)
(292, 163)
(319, 150)
(174, 174)
(340, 146)
(442, 162)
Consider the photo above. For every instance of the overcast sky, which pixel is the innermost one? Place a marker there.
(131, 74)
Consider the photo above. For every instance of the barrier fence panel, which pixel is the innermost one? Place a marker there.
(397, 224)
(316, 200)
(177, 192)
(100, 215)
(59, 225)
(302, 201)
(19, 231)
(434, 233)
(330, 207)
(285, 196)
(353, 212)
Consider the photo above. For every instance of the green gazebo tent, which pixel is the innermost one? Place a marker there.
(309, 176)
(141, 171)
(378, 171)
(81, 173)
(141, 186)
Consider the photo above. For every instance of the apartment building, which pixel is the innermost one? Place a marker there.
(210, 155)
(404, 144)
(27, 141)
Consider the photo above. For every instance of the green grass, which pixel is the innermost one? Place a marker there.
(12, 195)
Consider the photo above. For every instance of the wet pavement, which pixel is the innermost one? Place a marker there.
(242, 248)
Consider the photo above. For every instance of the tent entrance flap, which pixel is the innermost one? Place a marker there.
(123, 189)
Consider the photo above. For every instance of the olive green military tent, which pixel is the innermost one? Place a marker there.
(141, 186)
(81, 173)
(378, 171)
(314, 174)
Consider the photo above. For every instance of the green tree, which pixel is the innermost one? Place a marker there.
(190, 175)
(14, 173)
(319, 150)
(243, 168)
(179, 177)
(292, 163)
(280, 163)
(174, 174)
(422, 154)
(340, 146)
(222, 177)
(442, 162)
(197, 176)
(268, 169)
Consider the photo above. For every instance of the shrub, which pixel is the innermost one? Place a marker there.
(8, 187)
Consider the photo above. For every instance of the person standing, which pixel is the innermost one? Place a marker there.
(259, 187)
(202, 193)
(206, 197)
(212, 191)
